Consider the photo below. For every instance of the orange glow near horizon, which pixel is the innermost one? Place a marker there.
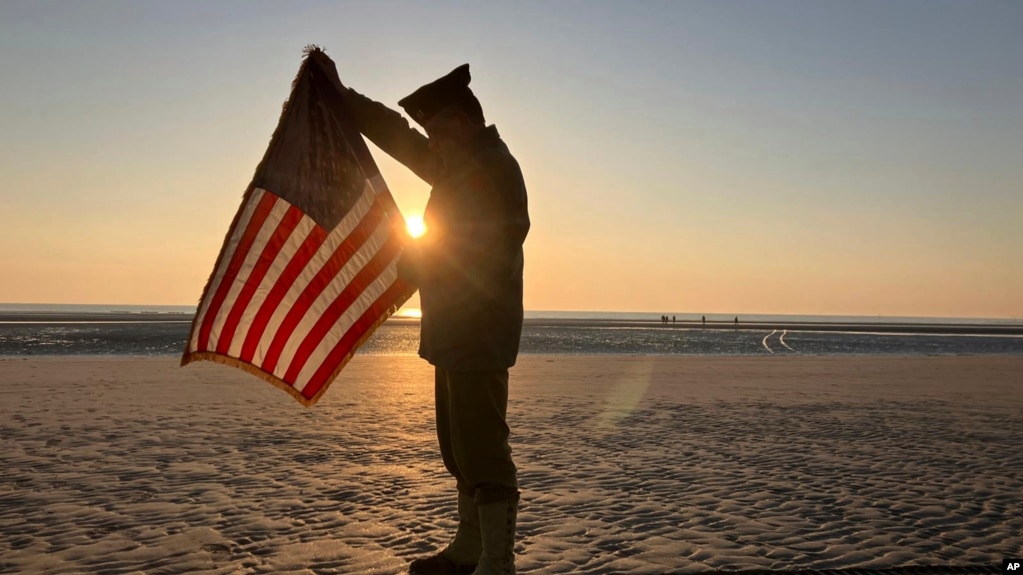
(413, 312)
(719, 190)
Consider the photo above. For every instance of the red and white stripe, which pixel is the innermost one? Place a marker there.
(291, 298)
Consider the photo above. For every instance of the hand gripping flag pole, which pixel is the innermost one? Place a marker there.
(308, 269)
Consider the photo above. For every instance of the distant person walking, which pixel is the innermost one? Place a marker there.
(705, 321)
(736, 321)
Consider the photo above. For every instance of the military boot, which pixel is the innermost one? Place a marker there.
(463, 553)
(497, 522)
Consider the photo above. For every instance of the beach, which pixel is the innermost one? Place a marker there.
(636, 464)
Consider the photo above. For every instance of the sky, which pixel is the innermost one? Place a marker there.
(738, 157)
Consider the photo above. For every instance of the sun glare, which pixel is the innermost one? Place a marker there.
(412, 312)
(416, 226)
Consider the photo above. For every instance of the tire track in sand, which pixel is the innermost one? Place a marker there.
(781, 340)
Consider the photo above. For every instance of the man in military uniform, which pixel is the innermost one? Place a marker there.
(468, 267)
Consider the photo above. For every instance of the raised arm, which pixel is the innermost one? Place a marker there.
(391, 132)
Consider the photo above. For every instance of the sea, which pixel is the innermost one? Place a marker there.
(161, 330)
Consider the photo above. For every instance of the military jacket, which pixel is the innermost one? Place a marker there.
(469, 265)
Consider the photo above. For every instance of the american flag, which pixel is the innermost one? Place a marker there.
(309, 267)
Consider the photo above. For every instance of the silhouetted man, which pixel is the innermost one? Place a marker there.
(468, 267)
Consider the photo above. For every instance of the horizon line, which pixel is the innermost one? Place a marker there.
(590, 311)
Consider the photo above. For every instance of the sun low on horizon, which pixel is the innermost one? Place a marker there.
(415, 225)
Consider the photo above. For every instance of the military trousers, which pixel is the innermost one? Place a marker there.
(473, 432)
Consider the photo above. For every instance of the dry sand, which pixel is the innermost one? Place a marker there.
(628, 465)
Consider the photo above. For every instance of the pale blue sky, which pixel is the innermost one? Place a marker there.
(735, 157)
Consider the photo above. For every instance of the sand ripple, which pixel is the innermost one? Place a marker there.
(627, 466)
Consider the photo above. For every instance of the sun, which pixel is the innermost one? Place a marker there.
(416, 226)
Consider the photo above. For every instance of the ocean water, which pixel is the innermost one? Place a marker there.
(29, 330)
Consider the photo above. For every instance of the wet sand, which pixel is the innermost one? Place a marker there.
(1006, 328)
(628, 464)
